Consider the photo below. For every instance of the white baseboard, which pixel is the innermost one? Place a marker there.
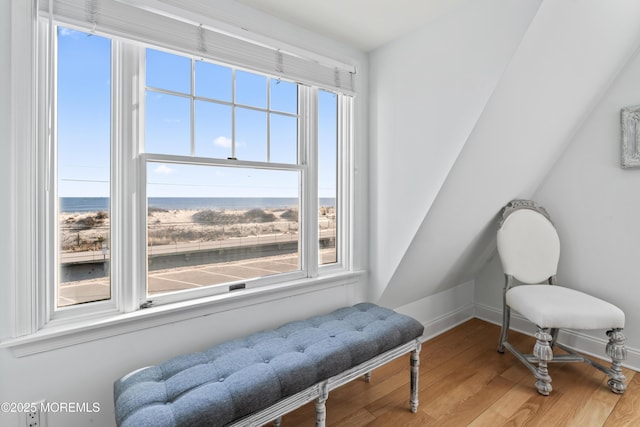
(445, 310)
(442, 311)
(576, 340)
(448, 321)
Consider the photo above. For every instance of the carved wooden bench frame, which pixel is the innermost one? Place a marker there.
(320, 391)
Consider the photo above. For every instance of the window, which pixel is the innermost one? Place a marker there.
(83, 152)
(327, 175)
(79, 134)
(199, 178)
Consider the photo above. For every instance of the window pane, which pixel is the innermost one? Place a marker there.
(327, 174)
(251, 135)
(251, 89)
(213, 130)
(167, 71)
(211, 225)
(167, 124)
(83, 163)
(284, 96)
(283, 139)
(213, 81)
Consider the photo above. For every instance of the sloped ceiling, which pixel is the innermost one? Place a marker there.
(563, 64)
(418, 130)
(363, 24)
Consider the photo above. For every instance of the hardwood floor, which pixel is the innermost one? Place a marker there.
(464, 381)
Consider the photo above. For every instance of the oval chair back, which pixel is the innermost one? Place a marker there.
(528, 246)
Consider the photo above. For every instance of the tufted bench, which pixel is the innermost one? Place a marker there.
(259, 378)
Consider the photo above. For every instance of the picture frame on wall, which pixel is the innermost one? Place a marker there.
(630, 124)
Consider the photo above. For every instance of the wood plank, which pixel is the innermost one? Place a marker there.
(627, 412)
(504, 408)
(598, 407)
(464, 381)
(465, 411)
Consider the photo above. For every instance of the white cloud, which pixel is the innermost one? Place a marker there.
(164, 170)
(67, 32)
(222, 141)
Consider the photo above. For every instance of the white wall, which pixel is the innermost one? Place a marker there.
(563, 64)
(85, 372)
(444, 310)
(596, 208)
(5, 163)
(427, 91)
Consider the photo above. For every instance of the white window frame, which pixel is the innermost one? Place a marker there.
(309, 232)
(124, 58)
(35, 329)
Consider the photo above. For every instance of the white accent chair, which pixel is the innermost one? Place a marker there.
(529, 249)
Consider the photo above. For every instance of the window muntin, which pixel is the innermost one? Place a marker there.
(213, 224)
(227, 113)
(83, 145)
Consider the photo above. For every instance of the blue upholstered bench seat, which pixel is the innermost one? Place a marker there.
(236, 378)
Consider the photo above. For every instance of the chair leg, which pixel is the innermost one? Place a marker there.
(554, 336)
(506, 313)
(617, 351)
(504, 334)
(543, 351)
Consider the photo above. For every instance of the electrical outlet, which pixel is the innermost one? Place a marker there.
(35, 417)
(32, 418)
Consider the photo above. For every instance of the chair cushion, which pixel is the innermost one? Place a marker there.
(552, 306)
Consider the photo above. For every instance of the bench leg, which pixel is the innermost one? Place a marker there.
(415, 370)
(321, 409)
(367, 377)
(277, 422)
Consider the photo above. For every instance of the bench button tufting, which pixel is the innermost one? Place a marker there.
(306, 334)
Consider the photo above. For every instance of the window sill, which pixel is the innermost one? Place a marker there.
(55, 337)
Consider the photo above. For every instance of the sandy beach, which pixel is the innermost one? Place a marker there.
(84, 240)
(89, 231)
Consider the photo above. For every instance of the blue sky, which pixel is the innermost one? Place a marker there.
(84, 93)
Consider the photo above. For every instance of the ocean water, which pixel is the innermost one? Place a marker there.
(96, 204)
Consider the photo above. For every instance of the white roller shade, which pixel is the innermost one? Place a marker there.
(184, 34)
